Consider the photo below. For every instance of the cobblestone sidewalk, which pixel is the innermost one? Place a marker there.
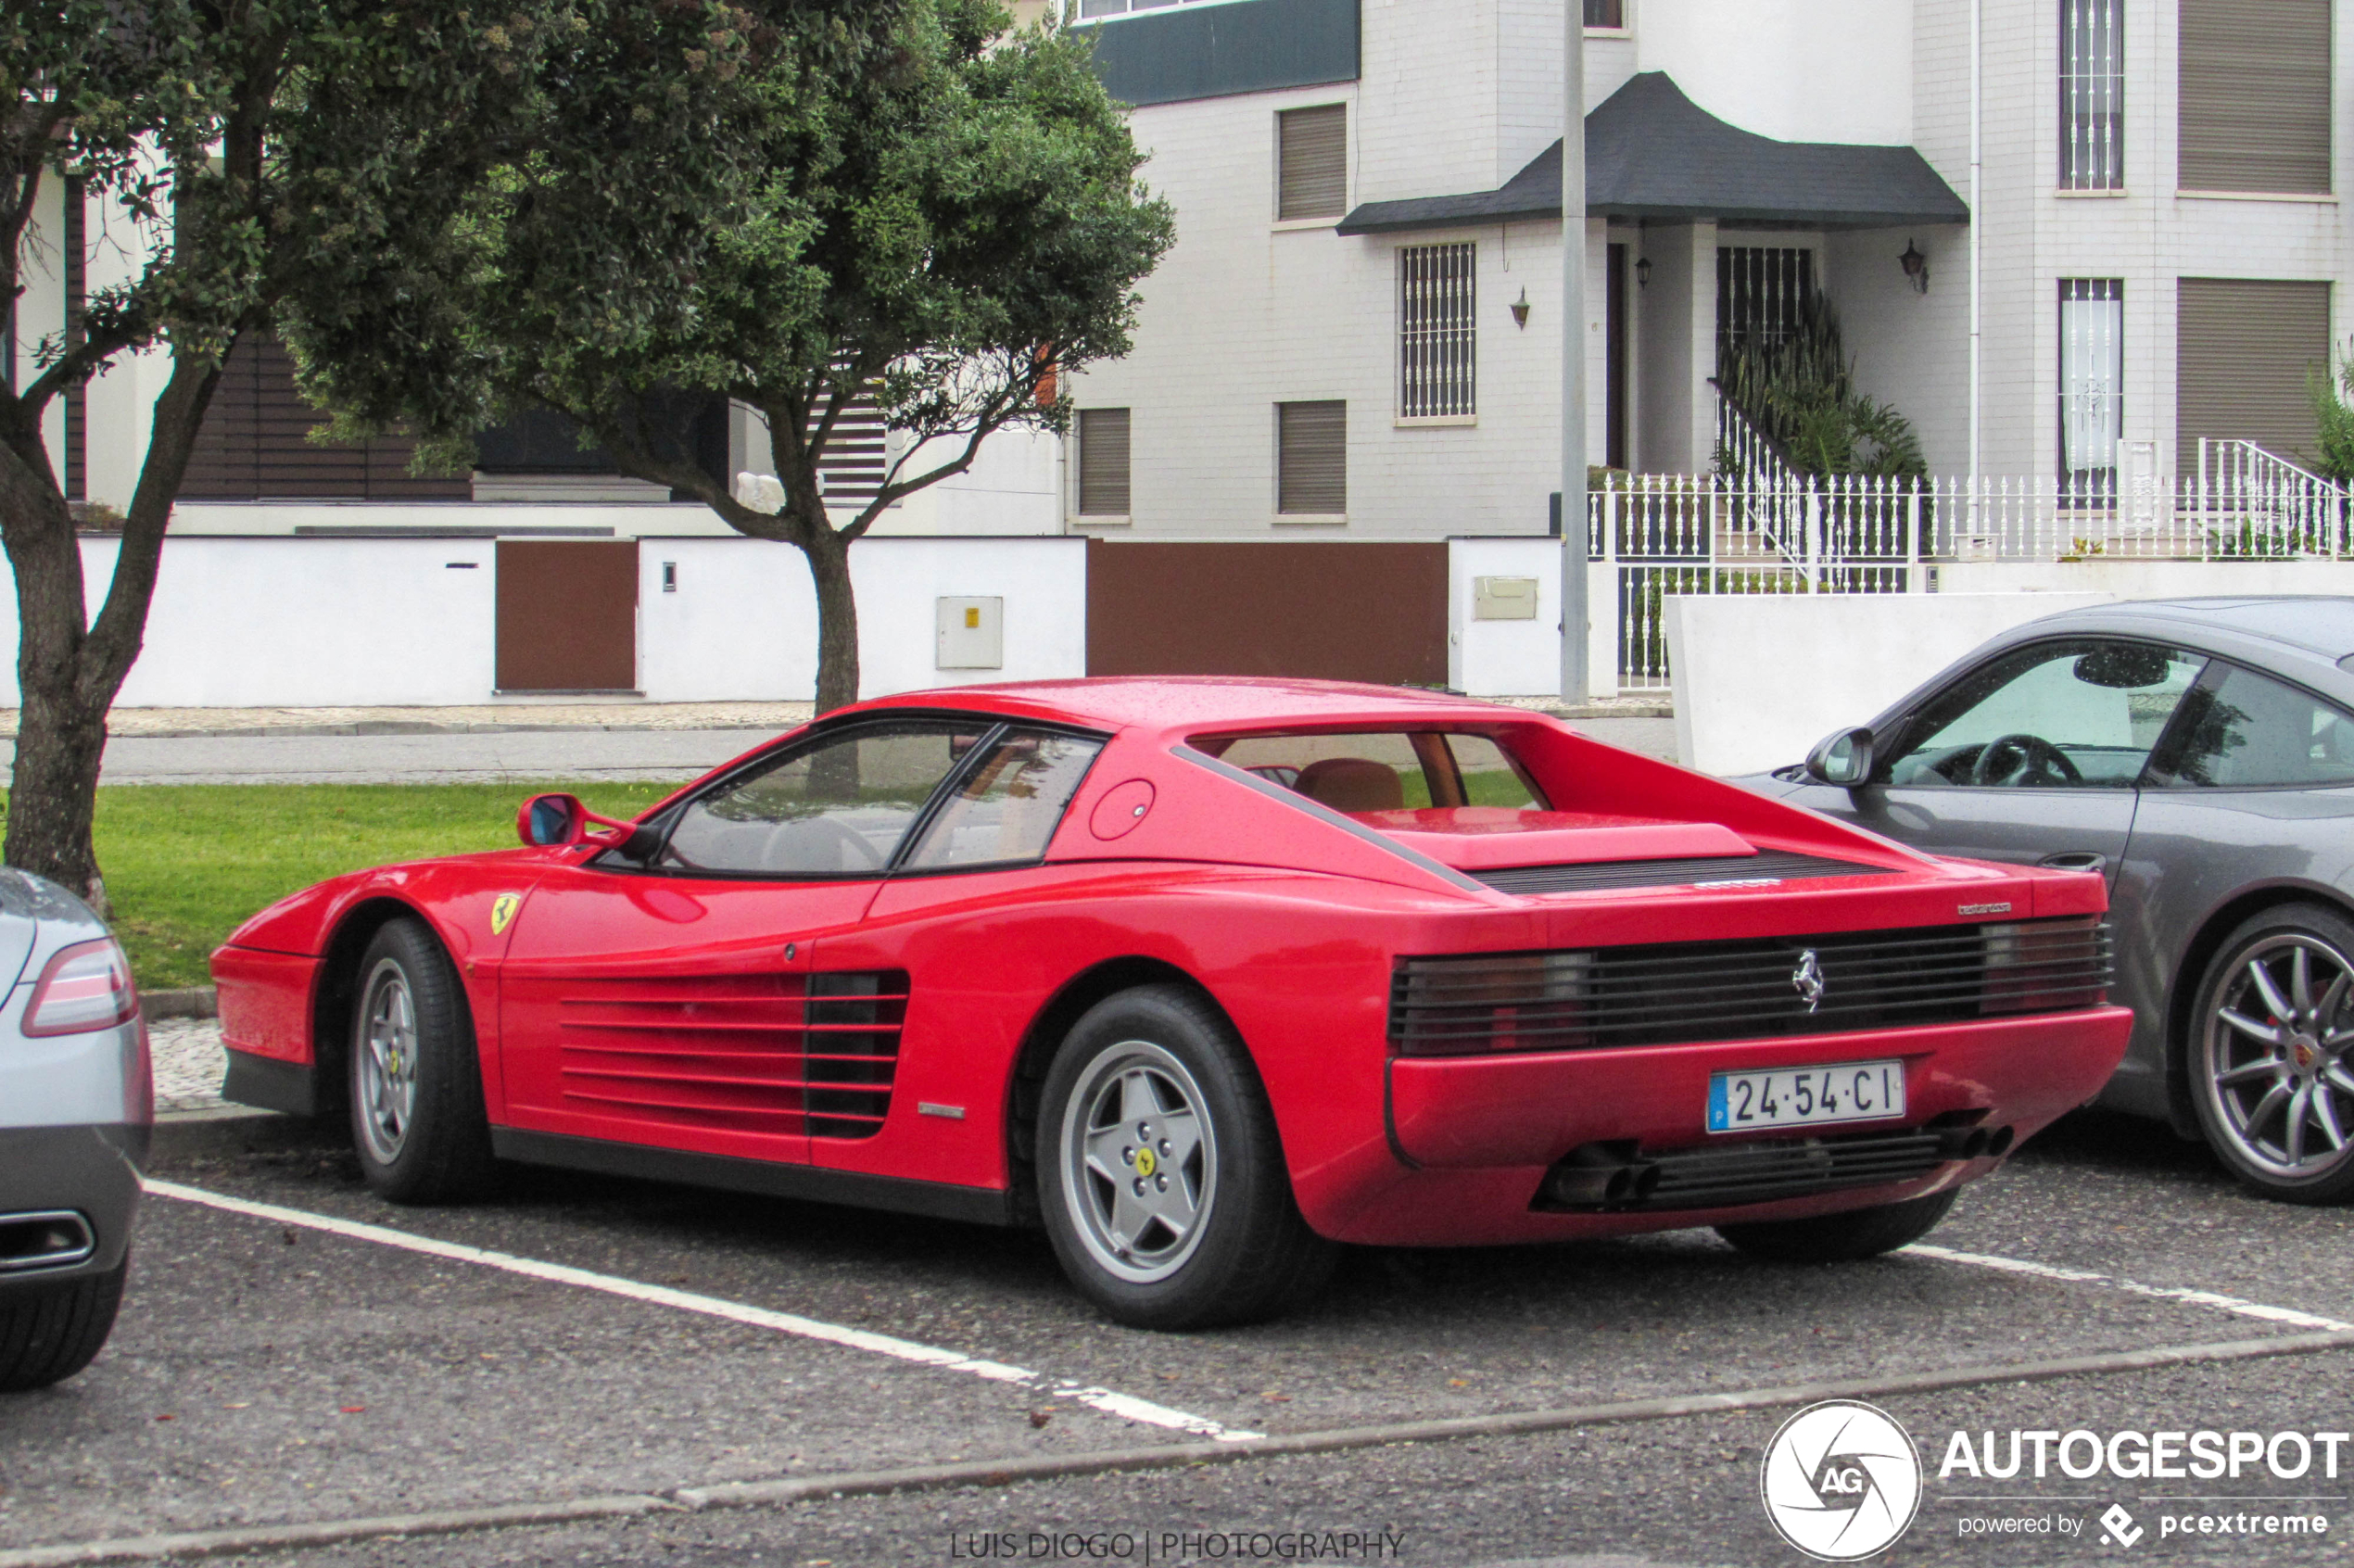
(188, 1063)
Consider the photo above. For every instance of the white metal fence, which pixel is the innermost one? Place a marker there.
(1768, 531)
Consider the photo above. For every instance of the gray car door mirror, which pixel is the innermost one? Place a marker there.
(1844, 758)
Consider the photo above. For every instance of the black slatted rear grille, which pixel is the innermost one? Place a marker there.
(1724, 1175)
(1768, 866)
(1692, 992)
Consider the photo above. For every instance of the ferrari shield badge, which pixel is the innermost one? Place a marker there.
(502, 912)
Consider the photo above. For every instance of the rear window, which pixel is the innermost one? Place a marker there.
(1383, 770)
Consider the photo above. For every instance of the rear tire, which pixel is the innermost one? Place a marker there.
(1841, 1238)
(48, 1337)
(1161, 1174)
(2271, 1061)
(417, 1117)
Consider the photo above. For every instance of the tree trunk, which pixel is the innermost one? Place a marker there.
(837, 621)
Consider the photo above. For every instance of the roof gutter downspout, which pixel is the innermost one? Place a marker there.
(1977, 222)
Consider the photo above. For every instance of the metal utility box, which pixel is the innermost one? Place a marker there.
(1503, 599)
(972, 635)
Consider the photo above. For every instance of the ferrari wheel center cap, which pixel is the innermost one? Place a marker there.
(1145, 1162)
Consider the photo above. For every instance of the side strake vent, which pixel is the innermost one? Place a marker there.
(1681, 992)
(1779, 866)
(782, 1054)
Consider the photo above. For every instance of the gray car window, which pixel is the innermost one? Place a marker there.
(1008, 807)
(2079, 714)
(2243, 731)
(838, 807)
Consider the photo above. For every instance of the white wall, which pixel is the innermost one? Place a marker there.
(1758, 678)
(1798, 70)
(373, 623)
(2147, 579)
(616, 519)
(1504, 658)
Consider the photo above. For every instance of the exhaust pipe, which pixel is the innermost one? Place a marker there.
(51, 1239)
(1599, 1176)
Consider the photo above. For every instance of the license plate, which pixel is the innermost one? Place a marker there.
(1805, 1096)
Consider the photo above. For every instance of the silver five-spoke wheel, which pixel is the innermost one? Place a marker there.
(388, 1062)
(2275, 1054)
(1141, 1161)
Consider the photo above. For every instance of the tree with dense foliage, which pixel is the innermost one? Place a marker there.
(227, 148)
(928, 213)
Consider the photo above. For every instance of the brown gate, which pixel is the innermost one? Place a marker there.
(567, 615)
(1329, 610)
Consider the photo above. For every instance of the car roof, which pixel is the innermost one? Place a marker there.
(1199, 703)
(2316, 623)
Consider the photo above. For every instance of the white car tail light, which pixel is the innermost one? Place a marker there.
(85, 987)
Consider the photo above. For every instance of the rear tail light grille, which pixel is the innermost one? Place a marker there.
(1696, 992)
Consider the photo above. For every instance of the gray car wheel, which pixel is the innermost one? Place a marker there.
(417, 1117)
(2271, 1056)
(1162, 1178)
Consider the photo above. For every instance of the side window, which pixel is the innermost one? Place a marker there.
(2081, 712)
(2243, 731)
(1006, 808)
(837, 807)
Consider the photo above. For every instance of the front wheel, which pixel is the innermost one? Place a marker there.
(417, 1115)
(1841, 1238)
(2271, 1060)
(1165, 1190)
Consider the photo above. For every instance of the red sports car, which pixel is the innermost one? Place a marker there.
(1206, 977)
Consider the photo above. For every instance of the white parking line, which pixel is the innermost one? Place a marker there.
(1124, 1406)
(2233, 1304)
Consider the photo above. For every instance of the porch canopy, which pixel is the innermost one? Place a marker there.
(1650, 152)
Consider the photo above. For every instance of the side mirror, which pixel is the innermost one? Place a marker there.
(549, 820)
(1844, 758)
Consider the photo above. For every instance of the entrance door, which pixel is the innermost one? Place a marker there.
(1614, 351)
(567, 615)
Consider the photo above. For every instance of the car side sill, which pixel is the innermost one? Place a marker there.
(937, 1200)
(271, 1084)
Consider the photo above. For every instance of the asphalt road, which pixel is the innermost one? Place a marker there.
(477, 755)
(286, 1367)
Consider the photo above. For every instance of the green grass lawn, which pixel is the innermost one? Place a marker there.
(186, 862)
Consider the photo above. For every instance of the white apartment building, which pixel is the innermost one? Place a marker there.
(1358, 332)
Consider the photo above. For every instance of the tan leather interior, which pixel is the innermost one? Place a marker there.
(1352, 784)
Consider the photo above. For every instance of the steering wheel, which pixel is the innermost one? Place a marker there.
(2022, 760)
(836, 834)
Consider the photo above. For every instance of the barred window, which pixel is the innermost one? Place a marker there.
(1311, 459)
(1605, 13)
(1437, 331)
(1103, 462)
(2091, 386)
(2092, 89)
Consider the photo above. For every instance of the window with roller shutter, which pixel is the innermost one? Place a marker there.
(2255, 97)
(1311, 459)
(1103, 462)
(255, 444)
(1311, 162)
(2244, 350)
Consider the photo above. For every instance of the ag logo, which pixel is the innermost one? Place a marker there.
(502, 912)
(1841, 1481)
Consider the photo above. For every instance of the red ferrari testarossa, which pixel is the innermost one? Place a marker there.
(1205, 976)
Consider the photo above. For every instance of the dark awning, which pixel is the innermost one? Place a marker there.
(1650, 152)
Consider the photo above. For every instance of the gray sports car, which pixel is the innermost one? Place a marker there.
(2199, 753)
(76, 1110)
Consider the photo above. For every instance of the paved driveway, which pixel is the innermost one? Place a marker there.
(647, 1374)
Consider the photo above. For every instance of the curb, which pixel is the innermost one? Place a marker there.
(195, 1002)
(1614, 710)
(217, 1130)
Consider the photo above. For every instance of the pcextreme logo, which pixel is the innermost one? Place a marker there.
(1840, 1480)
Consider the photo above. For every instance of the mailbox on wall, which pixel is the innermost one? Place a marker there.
(1503, 599)
(971, 634)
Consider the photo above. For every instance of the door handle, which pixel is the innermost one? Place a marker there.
(2076, 860)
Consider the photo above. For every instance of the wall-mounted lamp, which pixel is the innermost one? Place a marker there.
(1642, 271)
(1916, 267)
(1520, 310)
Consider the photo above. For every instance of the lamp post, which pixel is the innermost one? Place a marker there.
(1577, 684)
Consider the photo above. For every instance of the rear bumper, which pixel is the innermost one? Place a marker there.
(89, 1171)
(1471, 1139)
